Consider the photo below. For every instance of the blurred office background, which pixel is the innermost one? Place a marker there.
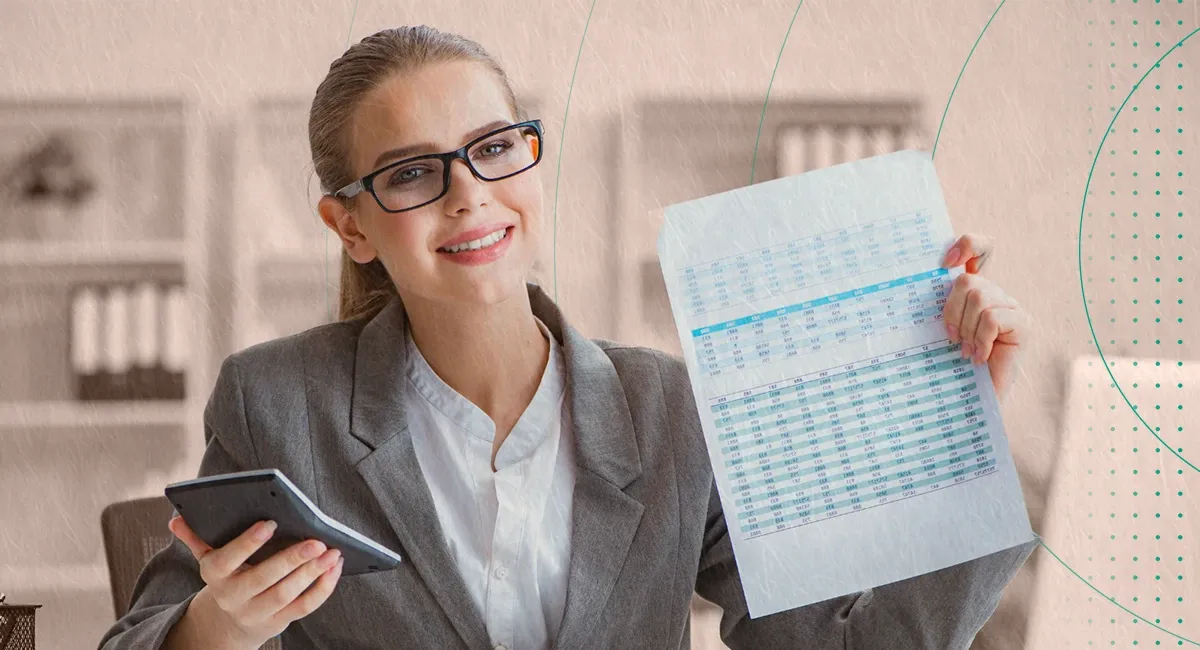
(159, 214)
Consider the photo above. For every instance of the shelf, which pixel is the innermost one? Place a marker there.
(315, 260)
(84, 253)
(66, 414)
(16, 580)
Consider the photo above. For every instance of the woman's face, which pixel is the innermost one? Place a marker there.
(436, 109)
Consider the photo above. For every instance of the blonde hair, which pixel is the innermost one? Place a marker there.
(367, 288)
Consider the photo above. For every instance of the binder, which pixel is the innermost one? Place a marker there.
(115, 357)
(129, 341)
(144, 377)
(175, 348)
(85, 343)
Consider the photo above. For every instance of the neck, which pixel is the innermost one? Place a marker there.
(493, 355)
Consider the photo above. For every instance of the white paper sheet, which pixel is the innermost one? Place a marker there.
(852, 444)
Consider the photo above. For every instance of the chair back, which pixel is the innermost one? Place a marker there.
(133, 532)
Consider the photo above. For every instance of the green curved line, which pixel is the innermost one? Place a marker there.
(561, 140)
(1079, 251)
(349, 31)
(960, 75)
(942, 123)
(762, 117)
(1111, 599)
(1094, 338)
(1080, 258)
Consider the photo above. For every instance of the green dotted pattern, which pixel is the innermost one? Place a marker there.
(1136, 500)
(1135, 248)
(1157, 547)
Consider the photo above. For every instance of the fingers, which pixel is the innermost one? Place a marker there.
(956, 305)
(968, 329)
(998, 326)
(180, 529)
(280, 596)
(220, 563)
(970, 249)
(314, 596)
(262, 577)
(970, 296)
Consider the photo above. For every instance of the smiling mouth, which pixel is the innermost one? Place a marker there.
(487, 241)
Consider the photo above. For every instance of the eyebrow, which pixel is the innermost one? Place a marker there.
(413, 149)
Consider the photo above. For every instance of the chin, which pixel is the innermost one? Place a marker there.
(496, 286)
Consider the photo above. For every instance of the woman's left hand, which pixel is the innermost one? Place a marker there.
(989, 322)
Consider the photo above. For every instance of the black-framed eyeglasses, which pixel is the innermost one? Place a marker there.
(414, 182)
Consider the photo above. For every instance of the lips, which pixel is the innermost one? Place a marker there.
(491, 248)
(474, 233)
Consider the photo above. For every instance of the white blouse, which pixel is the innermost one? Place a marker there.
(509, 531)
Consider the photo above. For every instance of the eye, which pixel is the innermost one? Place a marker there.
(494, 148)
(408, 175)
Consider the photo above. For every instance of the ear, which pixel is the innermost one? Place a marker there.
(344, 224)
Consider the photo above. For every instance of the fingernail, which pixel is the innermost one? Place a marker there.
(265, 531)
(951, 255)
(968, 350)
(953, 334)
(332, 557)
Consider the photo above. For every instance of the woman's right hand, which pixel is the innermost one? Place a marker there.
(247, 605)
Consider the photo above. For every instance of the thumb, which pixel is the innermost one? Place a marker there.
(186, 535)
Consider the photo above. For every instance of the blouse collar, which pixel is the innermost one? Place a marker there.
(530, 429)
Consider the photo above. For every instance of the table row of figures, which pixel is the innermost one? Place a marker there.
(129, 341)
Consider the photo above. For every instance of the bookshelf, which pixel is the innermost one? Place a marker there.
(99, 193)
(75, 415)
(286, 263)
(76, 254)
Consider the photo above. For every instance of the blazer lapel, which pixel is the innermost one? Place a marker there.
(604, 517)
(393, 475)
(604, 520)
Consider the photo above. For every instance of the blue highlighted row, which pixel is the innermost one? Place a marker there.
(828, 511)
(825, 474)
(849, 383)
(822, 378)
(790, 346)
(815, 446)
(899, 479)
(841, 440)
(817, 302)
(810, 402)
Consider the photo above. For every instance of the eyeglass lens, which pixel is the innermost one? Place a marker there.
(501, 154)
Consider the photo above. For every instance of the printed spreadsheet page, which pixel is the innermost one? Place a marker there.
(852, 444)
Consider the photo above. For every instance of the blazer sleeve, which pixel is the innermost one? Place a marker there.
(171, 578)
(940, 610)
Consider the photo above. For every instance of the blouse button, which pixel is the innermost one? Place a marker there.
(501, 573)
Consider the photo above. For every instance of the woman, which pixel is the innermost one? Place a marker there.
(543, 488)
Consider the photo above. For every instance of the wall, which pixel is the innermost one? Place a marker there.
(1013, 153)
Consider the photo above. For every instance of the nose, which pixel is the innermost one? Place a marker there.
(466, 192)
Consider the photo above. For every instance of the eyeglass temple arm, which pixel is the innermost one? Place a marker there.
(350, 190)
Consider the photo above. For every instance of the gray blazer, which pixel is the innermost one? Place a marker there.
(324, 407)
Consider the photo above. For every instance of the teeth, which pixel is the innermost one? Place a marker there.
(476, 244)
